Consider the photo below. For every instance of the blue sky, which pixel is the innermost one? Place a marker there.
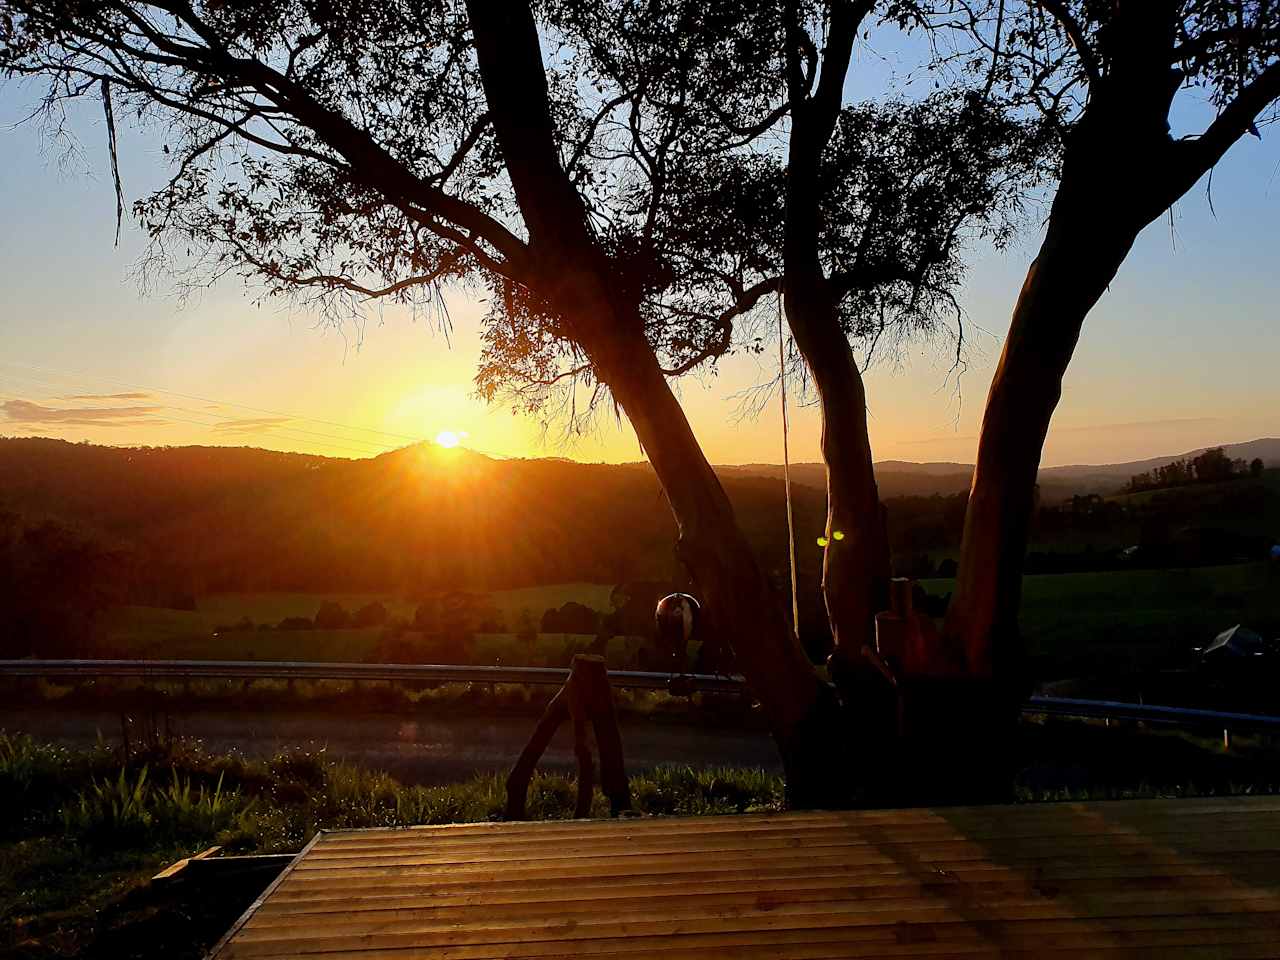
(1183, 351)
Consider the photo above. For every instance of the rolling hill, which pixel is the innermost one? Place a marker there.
(202, 519)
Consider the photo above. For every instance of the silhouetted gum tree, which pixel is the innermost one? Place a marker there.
(344, 152)
(1111, 72)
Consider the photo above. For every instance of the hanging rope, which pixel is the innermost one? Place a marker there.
(786, 472)
(110, 113)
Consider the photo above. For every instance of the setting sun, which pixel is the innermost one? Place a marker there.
(449, 438)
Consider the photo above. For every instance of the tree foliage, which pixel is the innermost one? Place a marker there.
(55, 580)
(337, 155)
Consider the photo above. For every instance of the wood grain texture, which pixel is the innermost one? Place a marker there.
(1159, 879)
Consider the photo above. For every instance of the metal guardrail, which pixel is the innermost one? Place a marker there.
(298, 670)
(1151, 713)
(181, 670)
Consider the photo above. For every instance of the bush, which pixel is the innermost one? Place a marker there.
(370, 615)
(332, 616)
(571, 618)
(111, 813)
(132, 813)
(33, 777)
(182, 814)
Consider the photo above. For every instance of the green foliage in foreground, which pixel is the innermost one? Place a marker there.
(81, 831)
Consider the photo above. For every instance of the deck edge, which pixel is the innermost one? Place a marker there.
(262, 897)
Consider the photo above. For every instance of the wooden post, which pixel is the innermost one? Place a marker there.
(586, 697)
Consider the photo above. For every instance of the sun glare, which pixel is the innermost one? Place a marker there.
(449, 438)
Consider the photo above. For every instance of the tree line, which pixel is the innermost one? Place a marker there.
(1211, 466)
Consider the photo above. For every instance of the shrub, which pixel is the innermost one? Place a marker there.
(111, 813)
(370, 615)
(33, 779)
(132, 813)
(181, 813)
(332, 616)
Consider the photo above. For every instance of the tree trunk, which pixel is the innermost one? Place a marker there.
(803, 713)
(1121, 171)
(855, 567)
(1092, 226)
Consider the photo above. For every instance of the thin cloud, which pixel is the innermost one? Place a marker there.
(26, 412)
(109, 396)
(251, 424)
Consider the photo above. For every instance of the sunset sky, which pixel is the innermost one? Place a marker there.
(1183, 351)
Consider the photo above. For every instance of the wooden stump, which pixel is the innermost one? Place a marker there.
(586, 697)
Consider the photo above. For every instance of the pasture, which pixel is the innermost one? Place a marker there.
(159, 633)
(1111, 621)
(1135, 619)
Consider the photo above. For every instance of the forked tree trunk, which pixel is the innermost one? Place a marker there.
(571, 272)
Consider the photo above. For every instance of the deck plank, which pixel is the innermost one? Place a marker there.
(1161, 879)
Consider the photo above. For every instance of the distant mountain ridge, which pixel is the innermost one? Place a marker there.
(1265, 448)
(903, 478)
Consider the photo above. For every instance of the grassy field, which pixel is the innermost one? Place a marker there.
(1140, 616)
(1115, 620)
(154, 632)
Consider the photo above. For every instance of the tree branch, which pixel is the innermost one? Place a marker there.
(369, 161)
(1075, 33)
(1201, 154)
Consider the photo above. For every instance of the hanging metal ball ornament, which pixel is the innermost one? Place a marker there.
(676, 619)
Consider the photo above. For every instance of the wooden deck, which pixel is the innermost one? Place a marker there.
(1149, 878)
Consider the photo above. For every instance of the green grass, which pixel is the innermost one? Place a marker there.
(1103, 621)
(157, 633)
(86, 829)
(323, 645)
(1139, 617)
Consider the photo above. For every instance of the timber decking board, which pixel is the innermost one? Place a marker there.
(1162, 879)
